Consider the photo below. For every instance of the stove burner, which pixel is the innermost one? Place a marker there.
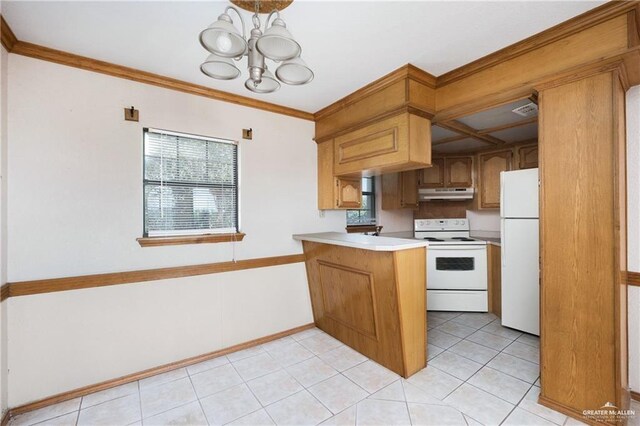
(462, 239)
(432, 239)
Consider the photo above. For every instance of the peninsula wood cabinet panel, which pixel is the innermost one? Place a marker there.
(373, 301)
(335, 193)
(397, 143)
(400, 190)
(432, 177)
(489, 167)
(583, 249)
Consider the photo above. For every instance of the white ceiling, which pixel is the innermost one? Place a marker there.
(347, 43)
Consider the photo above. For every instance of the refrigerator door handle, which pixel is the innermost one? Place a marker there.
(502, 194)
(503, 243)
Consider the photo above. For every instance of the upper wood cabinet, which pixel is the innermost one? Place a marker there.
(432, 177)
(451, 172)
(528, 157)
(489, 167)
(458, 172)
(335, 193)
(401, 142)
(349, 193)
(400, 190)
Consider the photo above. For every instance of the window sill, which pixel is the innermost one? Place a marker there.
(189, 239)
(352, 229)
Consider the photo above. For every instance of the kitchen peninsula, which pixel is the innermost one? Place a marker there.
(370, 293)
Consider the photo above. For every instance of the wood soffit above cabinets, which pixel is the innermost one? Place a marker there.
(24, 288)
(423, 79)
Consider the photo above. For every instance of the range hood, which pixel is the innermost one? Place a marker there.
(445, 194)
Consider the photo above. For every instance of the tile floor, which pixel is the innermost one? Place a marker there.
(479, 373)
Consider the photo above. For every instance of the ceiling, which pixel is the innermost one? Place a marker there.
(347, 43)
(486, 129)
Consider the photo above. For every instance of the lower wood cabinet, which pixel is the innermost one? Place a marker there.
(400, 190)
(489, 167)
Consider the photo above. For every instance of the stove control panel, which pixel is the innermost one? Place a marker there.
(441, 225)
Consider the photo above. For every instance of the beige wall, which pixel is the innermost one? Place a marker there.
(75, 207)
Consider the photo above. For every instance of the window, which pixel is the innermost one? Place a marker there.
(190, 184)
(367, 214)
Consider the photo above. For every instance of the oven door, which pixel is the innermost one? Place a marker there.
(461, 267)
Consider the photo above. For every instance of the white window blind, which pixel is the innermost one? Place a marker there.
(190, 184)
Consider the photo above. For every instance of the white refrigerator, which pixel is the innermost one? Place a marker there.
(519, 219)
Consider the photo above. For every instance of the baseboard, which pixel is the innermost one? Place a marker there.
(571, 412)
(55, 399)
(635, 395)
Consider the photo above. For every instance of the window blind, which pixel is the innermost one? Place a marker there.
(190, 184)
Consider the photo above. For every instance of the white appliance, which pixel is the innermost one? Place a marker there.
(456, 266)
(520, 250)
(445, 194)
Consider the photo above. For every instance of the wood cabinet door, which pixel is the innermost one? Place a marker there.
(433, 177)
(409, 181)
(490, 166)
(459, 172)
(349, 194)
(528, 157)
(372, 147)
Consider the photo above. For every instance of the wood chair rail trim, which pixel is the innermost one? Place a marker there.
(55, 399)
(7, 37)
(633, 278)
(24, 288)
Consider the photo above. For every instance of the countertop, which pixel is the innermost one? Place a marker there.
(366, 242)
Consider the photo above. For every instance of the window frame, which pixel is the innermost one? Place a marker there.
(177, 237)
(372, 210)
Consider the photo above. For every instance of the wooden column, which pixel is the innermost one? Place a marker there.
(583, 244)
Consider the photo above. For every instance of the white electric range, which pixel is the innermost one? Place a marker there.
(456, 266)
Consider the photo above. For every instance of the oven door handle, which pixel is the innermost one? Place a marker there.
(456, 248)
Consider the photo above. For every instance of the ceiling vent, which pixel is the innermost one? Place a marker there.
(528, 110)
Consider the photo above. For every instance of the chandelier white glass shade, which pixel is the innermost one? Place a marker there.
(226, 44)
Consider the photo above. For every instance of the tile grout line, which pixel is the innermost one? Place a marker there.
(197, 398)
(139, 402)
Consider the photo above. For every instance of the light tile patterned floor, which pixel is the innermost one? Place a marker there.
(479, 373)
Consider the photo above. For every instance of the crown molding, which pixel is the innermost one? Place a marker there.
(13, 45)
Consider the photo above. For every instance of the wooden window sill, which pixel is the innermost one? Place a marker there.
(189, 239)
(352, 229)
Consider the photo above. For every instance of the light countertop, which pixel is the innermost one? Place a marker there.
(366, 242)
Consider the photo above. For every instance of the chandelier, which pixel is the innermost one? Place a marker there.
(226, 44)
